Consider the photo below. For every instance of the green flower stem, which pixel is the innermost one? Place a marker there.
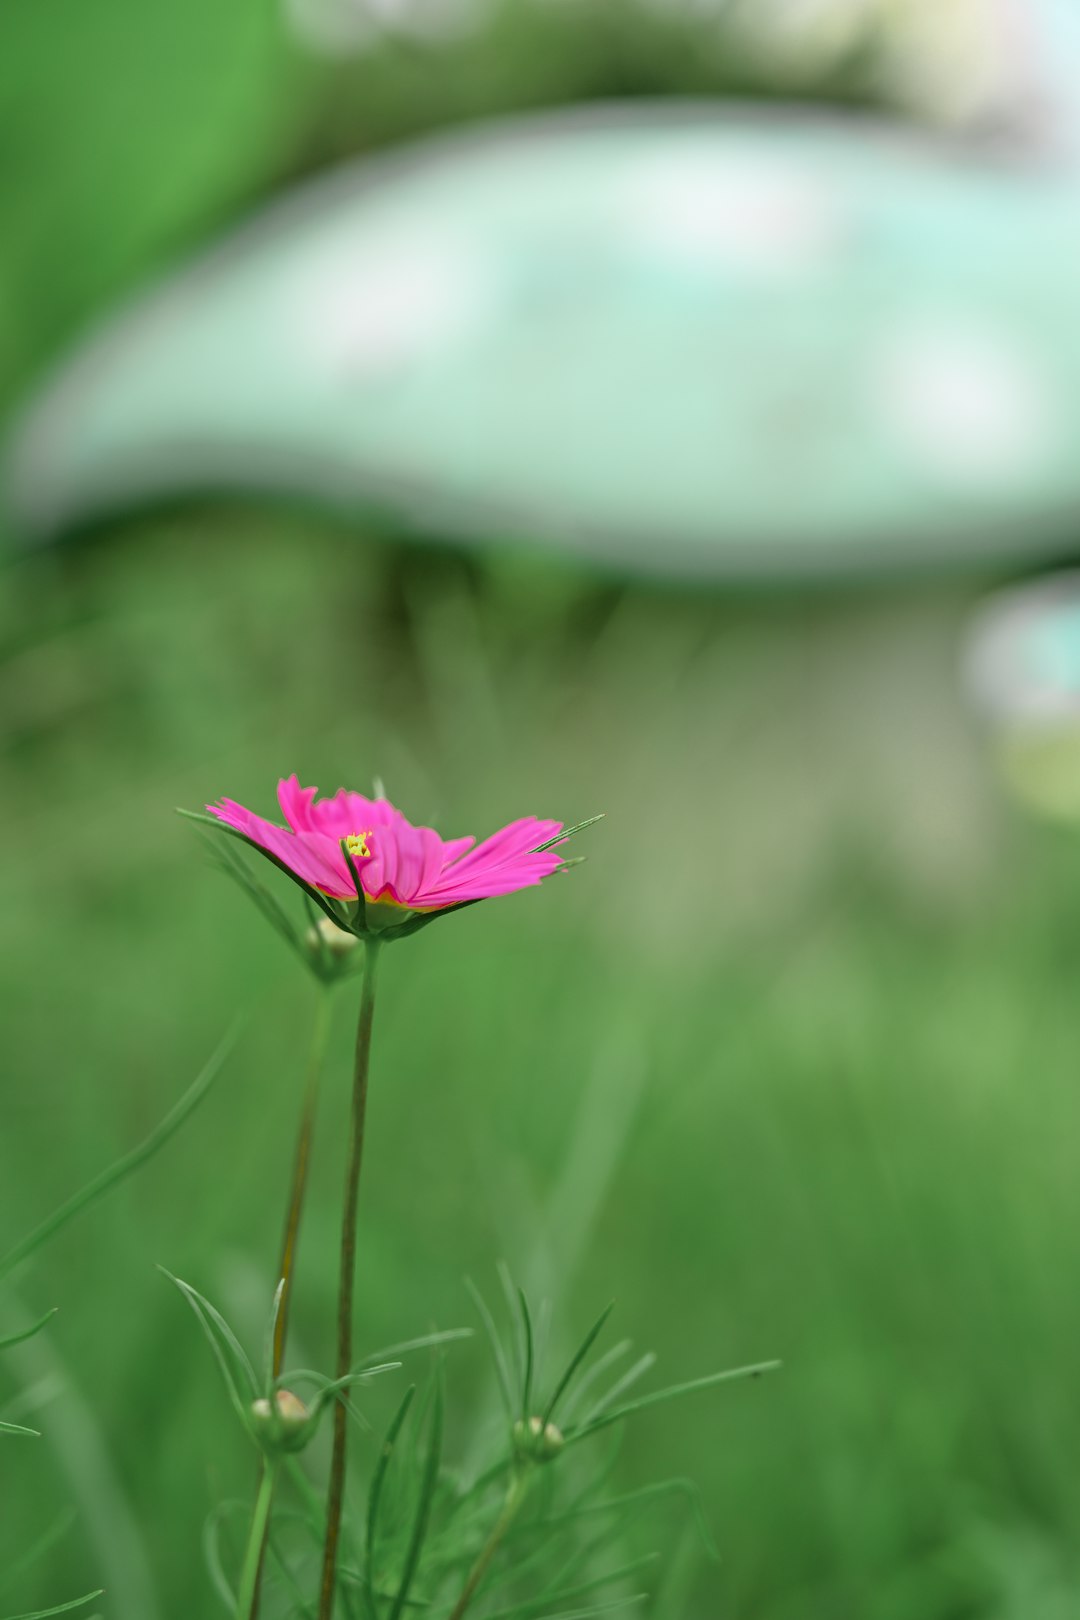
(336, 1493)
(260, 1521)
(515, 1496)
(287, 1263)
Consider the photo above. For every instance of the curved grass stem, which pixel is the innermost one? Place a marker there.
(515, 1496)
(247, 1591)
(336, 1492)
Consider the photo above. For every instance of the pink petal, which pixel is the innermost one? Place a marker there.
(518, 839)
(303, 854)
(295, 802)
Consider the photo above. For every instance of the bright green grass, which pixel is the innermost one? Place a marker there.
(790, 1067)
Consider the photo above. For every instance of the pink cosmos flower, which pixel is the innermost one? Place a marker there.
(397, 864)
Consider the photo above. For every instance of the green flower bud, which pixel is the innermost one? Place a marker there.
(325, 935)
(537, 1440)
(284, 1426)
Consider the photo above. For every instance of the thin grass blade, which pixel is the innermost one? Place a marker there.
(526, 1322)
(498, 1354)
(599, 1608)
(576, 1360)
(569, 1593)
(28, 1333)
(627, 1502)
(228, 861)
(513, 1316)
(591, 1378)
(269, 1338)
(124, 1166)
(425, 1342)
(305, 1609)
(229, 1354)
(314, 1508)
(212, 1554)
(629, 1378)
(44, 1543)
(316, 896)
(61, 1608)
(310, 1375)
(378, 1481)
(670, 1394)
(19, 1428)
(429, 1480)
(333, 1388)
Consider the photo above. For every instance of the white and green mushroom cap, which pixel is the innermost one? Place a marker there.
(678, 339)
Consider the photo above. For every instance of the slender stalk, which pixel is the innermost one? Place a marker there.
(336, 1493)
(510, 1509)
(260, 1520)
(287, 1263)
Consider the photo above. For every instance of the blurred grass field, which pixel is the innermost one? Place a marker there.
(787, 1068)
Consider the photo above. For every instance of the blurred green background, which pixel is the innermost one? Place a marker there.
(789, 1067)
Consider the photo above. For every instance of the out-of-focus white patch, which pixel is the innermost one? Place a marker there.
(331, 27)
(343, 27)
(1022, 669)
(964, 61)
(1022, 661)
(742, 213)
(953, 61)
(427, 18)
(704, 11)
(969, 403)
(369, 312)
(808, 32)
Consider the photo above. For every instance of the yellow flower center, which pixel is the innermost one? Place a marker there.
(357, 845)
